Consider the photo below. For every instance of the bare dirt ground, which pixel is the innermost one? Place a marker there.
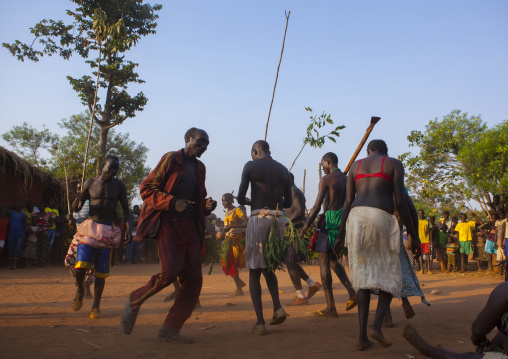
(36, 320)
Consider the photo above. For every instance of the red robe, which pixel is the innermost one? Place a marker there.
(157, 193)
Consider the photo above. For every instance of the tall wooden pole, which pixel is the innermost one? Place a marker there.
(373, 121)
(277, 77)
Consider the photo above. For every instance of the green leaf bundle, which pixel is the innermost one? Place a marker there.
(276, 249)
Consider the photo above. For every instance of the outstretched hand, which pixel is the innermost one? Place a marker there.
(184, 206)
(210, 204)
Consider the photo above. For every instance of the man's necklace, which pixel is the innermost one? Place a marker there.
(336, 169)
(293, 186)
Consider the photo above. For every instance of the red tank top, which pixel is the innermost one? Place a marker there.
(381, 174)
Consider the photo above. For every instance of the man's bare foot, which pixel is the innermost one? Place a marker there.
(408, 311)
(412, 336)
(237, 293)
(327, 312)
(171, 296)
(378, 336)
(361, 346)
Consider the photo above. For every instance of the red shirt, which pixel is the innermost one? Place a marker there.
(4, 222)
(157, 193)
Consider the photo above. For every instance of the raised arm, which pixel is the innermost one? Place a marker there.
(244, 186)
(81, 196)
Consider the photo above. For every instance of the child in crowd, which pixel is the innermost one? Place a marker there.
(16, 234)
(450, 252)
(441, 247)
(30, 251)
(4, 223)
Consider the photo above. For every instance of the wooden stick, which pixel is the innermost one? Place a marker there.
(373, 121)
(278, 67)
(92, 115)
(304, 175)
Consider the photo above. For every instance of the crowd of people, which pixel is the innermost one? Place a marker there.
(454, 241)
(369, 223)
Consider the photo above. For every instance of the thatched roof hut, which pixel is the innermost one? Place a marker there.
(20, 180)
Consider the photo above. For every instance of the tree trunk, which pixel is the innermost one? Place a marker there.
(103, 145)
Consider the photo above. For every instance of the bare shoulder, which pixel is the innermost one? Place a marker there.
(281, 166)
(119, 183)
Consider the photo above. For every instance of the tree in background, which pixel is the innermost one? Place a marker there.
(65, 154)
(312, 137)
(108, 28)
(452, 166)
(29, 142)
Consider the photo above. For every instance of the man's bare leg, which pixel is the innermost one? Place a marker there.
(98, 289)
(173, 295)
(80, 292)
(383, 305)
(412, 336)
(255, 294)
(239, 284)
(326, 280)
(344, 279)
(363, 316)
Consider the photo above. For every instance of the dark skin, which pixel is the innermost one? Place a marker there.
(296, 213)
(332, 190)
(378, 193)
(270, 188)
(269, 181)
(487, 320)
(195, 146)
(104, 192)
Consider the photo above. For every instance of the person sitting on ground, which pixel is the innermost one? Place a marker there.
(495, 313)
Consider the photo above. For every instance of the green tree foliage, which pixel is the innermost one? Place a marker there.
(132, 155)
(29, 141)
(453, 166)
(487, 159)
(107, 29)
(66, 154)
(313, 138)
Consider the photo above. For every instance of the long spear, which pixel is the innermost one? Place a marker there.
(373, 121)
(278, 67)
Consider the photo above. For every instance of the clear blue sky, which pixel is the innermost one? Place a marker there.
(212, 65)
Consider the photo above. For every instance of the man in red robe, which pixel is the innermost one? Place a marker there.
(175, 205)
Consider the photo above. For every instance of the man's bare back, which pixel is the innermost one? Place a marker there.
(269, 182)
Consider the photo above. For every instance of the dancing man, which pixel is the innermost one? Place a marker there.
(174, 210)
(97, 235)
(270, 192)
(332, 190)
(296, 213)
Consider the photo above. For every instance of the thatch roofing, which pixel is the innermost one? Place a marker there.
(24, 170)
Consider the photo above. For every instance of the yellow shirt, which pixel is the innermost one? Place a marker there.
(233, 218)
(53, 213)
(464, 229)
(423, 230)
